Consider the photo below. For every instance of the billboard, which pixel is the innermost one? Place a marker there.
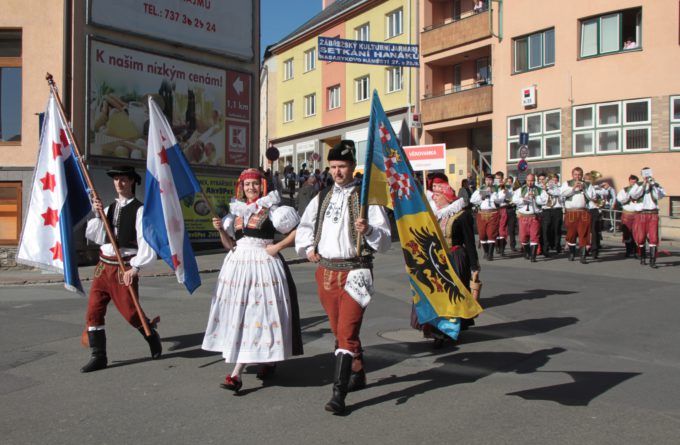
(221, 26)
(334, 49)
(193, 98)
(197, 217)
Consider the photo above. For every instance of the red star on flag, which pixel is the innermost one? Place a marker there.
(51, 217)
(48, 182)
(63, 138)
(57, 252)
(56, 149)
(175, 261)
(163, 154)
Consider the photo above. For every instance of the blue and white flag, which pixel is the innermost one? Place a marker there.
(59, 202)
(169, 178)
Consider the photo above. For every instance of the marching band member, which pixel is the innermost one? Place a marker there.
(529, 199)
(630, 209)
(551, 216)
(501, 188)
(576, 194)
(512, 215)
(647, 224)
(595, 210)
(487, 201)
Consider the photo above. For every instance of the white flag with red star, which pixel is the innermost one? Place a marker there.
(59, 201)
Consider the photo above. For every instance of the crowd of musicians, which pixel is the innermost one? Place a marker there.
(543, 205)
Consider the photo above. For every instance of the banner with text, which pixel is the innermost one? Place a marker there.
(193, 98)
(223, 26)
(197, 217)
(373, 53)
(426, 157)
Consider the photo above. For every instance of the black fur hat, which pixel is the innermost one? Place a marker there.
(343, 151)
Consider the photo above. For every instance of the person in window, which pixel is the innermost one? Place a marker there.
(481, 80)
(254, 316)
(629, 43)
(479, 6)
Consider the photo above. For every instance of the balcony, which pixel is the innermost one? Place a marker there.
(452, 104)
(456, 33)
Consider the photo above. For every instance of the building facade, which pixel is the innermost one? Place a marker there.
(198, 60)
(314, 104)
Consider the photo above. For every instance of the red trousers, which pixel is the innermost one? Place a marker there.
(577, 222)
(529, 229)
(628, 225)
(487, 225)
(344, 314)
(108, 285)
(646, 227)
(503, 224)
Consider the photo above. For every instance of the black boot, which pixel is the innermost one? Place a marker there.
(643, 258)
(154, 341)
(572, 252)
(629, 249)
(584, 253)
(357, 379)
(533, 250)
(343, 369)
(652, 257)
(492, 246)
(527, 251)
(501, 246)
(98, 360)
(595, 253)
(485, 247)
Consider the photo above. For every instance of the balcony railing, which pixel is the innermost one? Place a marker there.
(443, 36)
(456, 103)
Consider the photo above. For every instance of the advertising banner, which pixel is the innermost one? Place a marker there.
(335, 49)
(192, 97)
(223, 26)
(426, 157)
(197, 217)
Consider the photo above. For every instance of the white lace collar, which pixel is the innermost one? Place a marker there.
(240, 208)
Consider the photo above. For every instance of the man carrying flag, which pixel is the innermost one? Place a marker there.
(327, 235)
(110, 283)
(440, 297)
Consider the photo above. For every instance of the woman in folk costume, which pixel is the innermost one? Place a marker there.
(254, 317)
(457, 226)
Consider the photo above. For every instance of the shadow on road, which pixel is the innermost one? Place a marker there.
(533, 294)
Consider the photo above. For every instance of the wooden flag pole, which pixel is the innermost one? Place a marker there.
(95, 196)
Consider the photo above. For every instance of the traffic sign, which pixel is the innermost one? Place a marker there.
(523, 151)
(522, 165)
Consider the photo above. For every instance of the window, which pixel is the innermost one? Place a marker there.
(361, 87)
(310, 105)
(363, 32)
(288, 69)
(394, 79)
(611, 33)
(534, 51)
(288, 111)
(612, 127)
(334, 97)
(457, 77)
(395, 23)
(483, 71)
(10, 87)
(675, 122)
(10, 212)
(544, 128)
(310, 60)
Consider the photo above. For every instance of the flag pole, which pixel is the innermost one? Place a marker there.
(95, 196)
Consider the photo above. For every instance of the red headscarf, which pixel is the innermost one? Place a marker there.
(250, 173)
(440, 185)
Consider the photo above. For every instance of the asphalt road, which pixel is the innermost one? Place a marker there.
(563, 354)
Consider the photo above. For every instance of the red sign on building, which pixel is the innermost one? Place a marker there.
(238, 95)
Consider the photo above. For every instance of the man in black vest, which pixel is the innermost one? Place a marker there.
(110, 283)
(327, 235)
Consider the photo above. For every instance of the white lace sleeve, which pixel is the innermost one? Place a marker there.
(228, 225)
(284, 218)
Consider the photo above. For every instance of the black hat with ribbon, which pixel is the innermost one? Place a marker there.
(125, 170)
(343, 151)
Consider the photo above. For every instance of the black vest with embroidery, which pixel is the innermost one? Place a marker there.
(127, 223)
(259, 226)
(354, 209)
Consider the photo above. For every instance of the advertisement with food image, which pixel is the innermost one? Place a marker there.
(197, 213)
(192, 97)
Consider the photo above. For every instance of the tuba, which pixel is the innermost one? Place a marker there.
(594, 177)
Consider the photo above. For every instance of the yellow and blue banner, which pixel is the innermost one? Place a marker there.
(439, 296)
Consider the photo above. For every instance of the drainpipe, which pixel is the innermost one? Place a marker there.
(499, 36)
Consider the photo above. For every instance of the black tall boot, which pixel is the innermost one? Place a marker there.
(584, 254)
(652, 257)
(572, 252)
(527, 251)
(492, 246)
(643, 258)
(485, 247)
(343, 369)
(98, 360)
(533, 249)
(357, 379)
(629, 249)
(501, 246)
(154, 341)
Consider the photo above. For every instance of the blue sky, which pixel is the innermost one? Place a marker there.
(280, 17)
